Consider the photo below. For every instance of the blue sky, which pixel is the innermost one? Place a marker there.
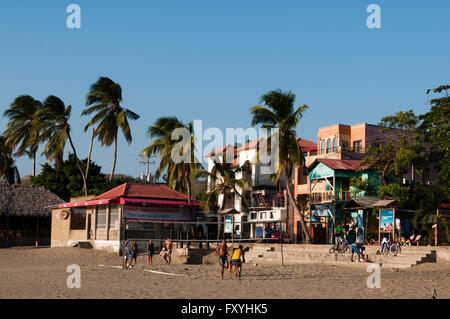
(213, 59)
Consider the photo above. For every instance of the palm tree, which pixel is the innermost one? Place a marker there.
(179, 166)
(8, 170)
(20, 133)
(225, 182)
(52, 120)
(279, 113)
(104, 98)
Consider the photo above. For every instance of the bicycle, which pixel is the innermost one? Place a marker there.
(390, 247)
(341, 246)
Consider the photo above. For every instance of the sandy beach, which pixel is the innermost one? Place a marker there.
(41, 273)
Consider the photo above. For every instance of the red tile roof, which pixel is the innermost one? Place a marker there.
(251, 145)
(306, 145)
(221, 150)
(150, 191)
(348, 165)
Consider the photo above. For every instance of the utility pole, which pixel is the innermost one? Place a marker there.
(147, 162)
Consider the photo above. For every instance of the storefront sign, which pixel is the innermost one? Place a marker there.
(228, 224)
(169, 214)
(63, 215)
(386, 220)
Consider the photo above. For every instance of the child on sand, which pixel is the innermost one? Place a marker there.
(236, 260)
(222, 253)
(150, 251)
(126, 253)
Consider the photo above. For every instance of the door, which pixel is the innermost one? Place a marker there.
(89, 230)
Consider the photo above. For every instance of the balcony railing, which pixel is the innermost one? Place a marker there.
(331, 196)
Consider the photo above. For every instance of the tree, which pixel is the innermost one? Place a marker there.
(8, 169)
(279, 112)
(66, 182)
(20, 133)
(400, 148)
(53, 123)
(177, 156)
(104, 99)
(435, 127)
(225, 181)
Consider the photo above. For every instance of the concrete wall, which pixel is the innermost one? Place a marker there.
(442, 254)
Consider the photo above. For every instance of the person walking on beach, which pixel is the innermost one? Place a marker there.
(134, 252)
(126, 253)
(168, 252)
(222, 253)
(150, 252)
(236, 260)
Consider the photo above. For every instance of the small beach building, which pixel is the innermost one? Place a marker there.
(25, 215)
(132, 210)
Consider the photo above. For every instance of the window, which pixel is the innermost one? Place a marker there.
(322, 146)
(345, 146)
(101, 217)
(78, 218)
(114, 217)
(335, 145)
(329, 145)
(253, 216)
(357, 146)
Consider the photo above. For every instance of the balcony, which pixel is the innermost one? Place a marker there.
(331, 196)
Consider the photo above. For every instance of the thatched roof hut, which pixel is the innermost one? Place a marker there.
(26, 200)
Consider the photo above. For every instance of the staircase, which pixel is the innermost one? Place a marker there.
(317, 254)
(408, 257)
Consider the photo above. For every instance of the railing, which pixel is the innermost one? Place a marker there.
(331, 196)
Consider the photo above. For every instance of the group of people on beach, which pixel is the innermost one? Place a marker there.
(130, 252)
(237, 257)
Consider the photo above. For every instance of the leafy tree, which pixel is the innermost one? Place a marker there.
(400, 148)
(395, 191)
(426, 200)
(20, 133)
(179, 164)
(65, 180)
(278, 112)
(8, 169)
(104, 98)
(224, 176)
(53, 123)
(435, 127)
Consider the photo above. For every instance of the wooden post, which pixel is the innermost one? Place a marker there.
(37, 231)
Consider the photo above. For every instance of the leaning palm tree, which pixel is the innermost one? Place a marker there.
(8, 170)
(279, 113)
(20, 133)
(52, 120)
(177, 156)
(104, 99)
(225, 181)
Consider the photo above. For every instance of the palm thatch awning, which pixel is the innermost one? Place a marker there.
(26, 200)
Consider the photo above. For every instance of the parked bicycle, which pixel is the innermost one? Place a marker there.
(390, 247)
(341, 246)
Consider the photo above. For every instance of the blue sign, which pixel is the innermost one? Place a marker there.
(228, 224)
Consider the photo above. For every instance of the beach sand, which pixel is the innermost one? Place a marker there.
(41, 273)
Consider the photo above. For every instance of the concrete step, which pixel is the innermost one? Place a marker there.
(396, 265)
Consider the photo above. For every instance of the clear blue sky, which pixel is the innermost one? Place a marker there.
(213, 59)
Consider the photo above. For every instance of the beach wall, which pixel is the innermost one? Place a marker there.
(442, 254)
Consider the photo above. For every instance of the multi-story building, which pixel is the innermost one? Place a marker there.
(266, 200)
(325, 183)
